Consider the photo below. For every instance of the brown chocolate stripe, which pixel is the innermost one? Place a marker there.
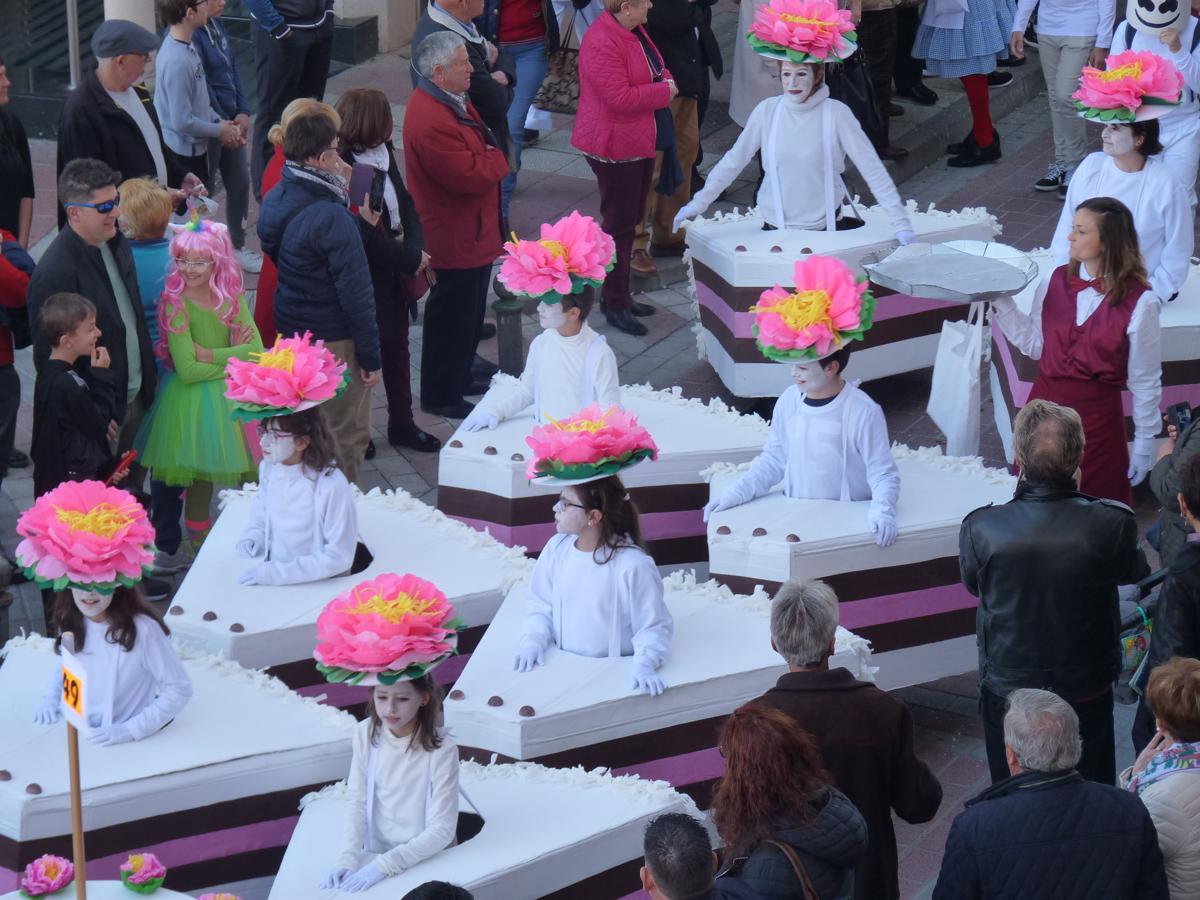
(128, 836)
(741, 299)
(261, 863)
(918, 631)
(473, 504)
(918, 576)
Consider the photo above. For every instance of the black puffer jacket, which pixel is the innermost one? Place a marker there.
(830, 846)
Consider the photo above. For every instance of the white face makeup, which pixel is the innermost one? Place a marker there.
(551, 315)
(92, 604)
(797, 80)
(397, 704)
(569, 515)
(1117, 139)
(810, 376)
(277, 447)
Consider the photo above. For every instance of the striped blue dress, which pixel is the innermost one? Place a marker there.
(973, 49)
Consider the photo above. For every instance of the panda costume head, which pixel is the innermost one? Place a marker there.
(1153, 16)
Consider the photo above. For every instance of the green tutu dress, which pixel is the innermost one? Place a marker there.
(190, 434)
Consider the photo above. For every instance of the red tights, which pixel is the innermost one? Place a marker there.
(976, 87)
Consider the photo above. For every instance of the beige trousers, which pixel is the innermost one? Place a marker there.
(660, 210)
(349, 416)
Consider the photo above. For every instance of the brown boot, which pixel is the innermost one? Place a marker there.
(641, 263)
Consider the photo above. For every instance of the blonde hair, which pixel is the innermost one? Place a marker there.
(302, 106)
(145, 208)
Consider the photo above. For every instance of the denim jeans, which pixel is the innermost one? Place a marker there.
(532, 62)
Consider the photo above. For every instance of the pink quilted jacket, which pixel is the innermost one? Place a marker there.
(617, 98)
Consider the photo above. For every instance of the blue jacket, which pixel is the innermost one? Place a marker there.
(1038, 836)
(324, 280)
(225, 91)
(277, 16)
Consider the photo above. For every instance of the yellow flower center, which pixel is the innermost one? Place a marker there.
(393, 609)
(136, 861)
(556, 248)
(589, 425)
(104, 519)
(804, 20)
(1129, 70)
(801, 309)
(277, 357)
(51, 870)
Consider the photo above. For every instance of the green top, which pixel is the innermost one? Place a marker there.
(205, 329)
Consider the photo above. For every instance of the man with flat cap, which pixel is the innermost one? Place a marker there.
(110, 116)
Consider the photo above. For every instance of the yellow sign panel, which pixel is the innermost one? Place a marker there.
(72, 691)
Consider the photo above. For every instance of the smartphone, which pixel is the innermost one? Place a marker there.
(377, 190)
(362, 177)
(1180, 415)
(122, 466)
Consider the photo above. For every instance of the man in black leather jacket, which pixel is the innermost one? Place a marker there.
(1045, 567)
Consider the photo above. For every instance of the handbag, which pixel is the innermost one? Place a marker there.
(849, 82)
(560, 88)
(411, 288)
(808, 892)
(17, 318)
(954, 395)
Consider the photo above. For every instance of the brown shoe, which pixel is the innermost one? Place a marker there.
(666, 250)
(642, 263)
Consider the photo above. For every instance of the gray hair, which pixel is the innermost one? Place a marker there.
(804, 619)
(1042, 730)
(1048, 439)
(81, 178)
(435, 50)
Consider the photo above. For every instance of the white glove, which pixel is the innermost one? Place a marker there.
(248, 548)
(717, 504)
(530, 655)
(49, 712)
(646, 680)
(480, 419)
(249, 577)
(112, 734)
(689, 211)
(884, 529)
(1139, 467)
(335, 878)
(364, 879)
(905, 237)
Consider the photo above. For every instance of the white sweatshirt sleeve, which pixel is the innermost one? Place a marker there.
(158, 659)
(441, 815)
(1104, 25)
(769, 466)
(1144, 378)
(605, 381)
(855, 144)
(649, 619)
(1024, 11)
(1174, 263)
(509, 396)
(354, 806)
(1023, 331)
(538, 626)
(882, 473)
(736, 158)
(1187, 61)
(337, 520)
(256, 527)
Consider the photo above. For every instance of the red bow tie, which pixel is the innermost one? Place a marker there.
(1075, 284)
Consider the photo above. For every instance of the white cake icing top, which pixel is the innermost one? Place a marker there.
(544, 829)
(241, 735)
(279, 622)
(106, 890)
(721, 657)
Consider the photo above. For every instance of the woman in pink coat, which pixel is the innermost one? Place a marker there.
(622, 81)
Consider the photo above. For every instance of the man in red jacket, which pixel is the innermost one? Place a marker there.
(453, 166)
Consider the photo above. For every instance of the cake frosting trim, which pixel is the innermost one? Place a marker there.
(713, 407)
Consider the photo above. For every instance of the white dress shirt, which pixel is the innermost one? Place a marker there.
(1069, 18)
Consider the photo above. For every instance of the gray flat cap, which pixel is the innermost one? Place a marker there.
(116, 37)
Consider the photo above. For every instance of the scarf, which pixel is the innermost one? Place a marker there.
(332, 183)
(466, 30)
(379, 158)
(1179, 757)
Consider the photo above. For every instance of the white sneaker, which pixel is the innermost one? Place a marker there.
(249, 260)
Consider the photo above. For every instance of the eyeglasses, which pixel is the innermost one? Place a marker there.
(103, 208)
(193, 265)
(564, 503)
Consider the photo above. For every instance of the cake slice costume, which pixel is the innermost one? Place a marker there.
(834, 448)
(804, 136)
(303, 524)
(563, 372)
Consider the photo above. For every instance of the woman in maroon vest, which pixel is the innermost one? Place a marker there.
(1096, 333)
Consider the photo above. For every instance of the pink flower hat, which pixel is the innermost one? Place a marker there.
(294, 375)
(86, 535)
(828, 308)
(572, 254)
(1134, 86)
(388, 629)
(803, 31)
(588, 445)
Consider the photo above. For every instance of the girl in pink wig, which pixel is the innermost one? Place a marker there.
(190, 439)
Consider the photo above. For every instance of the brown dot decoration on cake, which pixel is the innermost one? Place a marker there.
(793, 538)
(759, 532)
(740, 248)
(806, 250)
(456, 444)
(33, 788)
(175, 611)
(456, 694)
(776, 249)
(5, 775)
(724, 529)
(495, 700)
(209, 616)
(489, 451)
(518, 457)
(526, 711)
(237, 627)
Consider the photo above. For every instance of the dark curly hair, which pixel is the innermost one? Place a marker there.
(310, 424)
(619, 523)
(127, 604)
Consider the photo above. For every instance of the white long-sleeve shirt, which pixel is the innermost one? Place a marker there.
(306, 523)
(142, 689)
(799, 148)
(593, 609)
(1069, 18)
(1186, 61)
(1162, 216)
(558, 379)
(839, 451)
(1145, 350)
(415, 811)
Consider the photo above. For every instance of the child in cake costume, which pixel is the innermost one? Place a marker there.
(828, 439)
(303, 523)
(402, 793)
(803, 134)
(595, 591)
(190, 440)
(93, 543)
(569, 365)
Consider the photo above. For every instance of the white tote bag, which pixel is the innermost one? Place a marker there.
(954, 396)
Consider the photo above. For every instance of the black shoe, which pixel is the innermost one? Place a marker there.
(475, 389)
(370, 452)
(1012, 62)
(482, 370)
(974, 156)
(623, 320)
(529, 136)
(894, 110)
(487, 332)
(999, 79)
(918, 93)
(155, 589)
(18, 459)
(893, 153)
(459, 410)
(1055, 177)
(414, 438)
(641, 310)
(966, 143)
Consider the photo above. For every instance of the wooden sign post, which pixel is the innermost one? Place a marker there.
(74, 707)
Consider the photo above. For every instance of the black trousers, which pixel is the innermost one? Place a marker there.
(10, 404)
(297, 66)
(907, 70)
(1099, 760)
(453, 318)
